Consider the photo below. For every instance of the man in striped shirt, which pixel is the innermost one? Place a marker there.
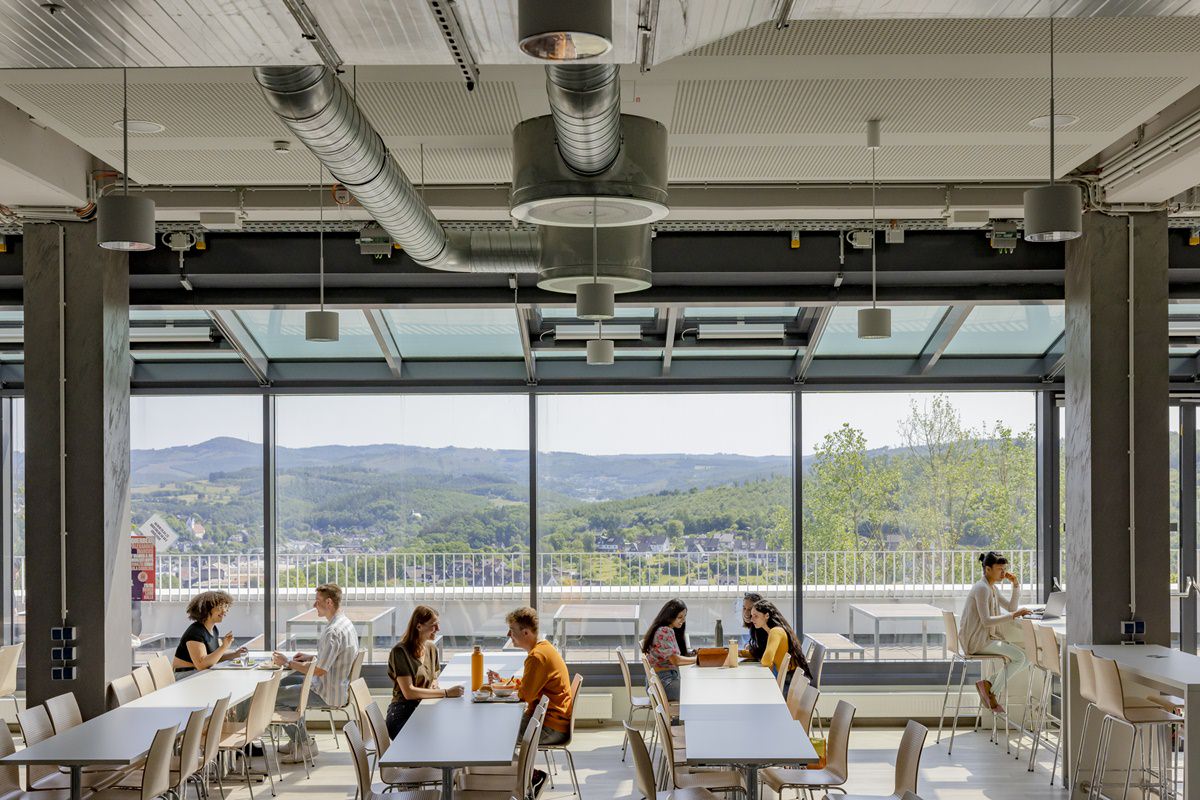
(331, 667)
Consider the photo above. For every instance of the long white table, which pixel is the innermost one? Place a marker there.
(738, 717)
(117, 738)
(456, 732)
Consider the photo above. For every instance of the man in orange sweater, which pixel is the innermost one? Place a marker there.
(545, 675)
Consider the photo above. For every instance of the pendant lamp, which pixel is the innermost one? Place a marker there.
(124, 222)
(1053, 212)
(595, 300)
(564, 30)
(321, 325)
(874, 322)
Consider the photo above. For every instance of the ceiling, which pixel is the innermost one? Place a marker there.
(743, 101)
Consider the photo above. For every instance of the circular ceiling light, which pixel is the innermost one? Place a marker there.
(138, 126)
(565, 30)
(1060, 121)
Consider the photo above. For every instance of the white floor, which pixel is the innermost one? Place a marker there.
(978, 770)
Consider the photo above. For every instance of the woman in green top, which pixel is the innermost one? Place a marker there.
(413, 669)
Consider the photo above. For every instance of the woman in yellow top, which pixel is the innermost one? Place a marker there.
(781, 639)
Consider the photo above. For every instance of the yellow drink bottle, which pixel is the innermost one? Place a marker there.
(476, 669)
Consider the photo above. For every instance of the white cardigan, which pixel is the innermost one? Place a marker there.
(981, 615)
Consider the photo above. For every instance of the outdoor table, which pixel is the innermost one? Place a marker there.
(738, 717)
(365, 616)
(899, 612)
(118, 738)
(583, 613)
(456, 732)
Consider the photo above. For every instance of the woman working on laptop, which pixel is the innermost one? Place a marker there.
(981, 618)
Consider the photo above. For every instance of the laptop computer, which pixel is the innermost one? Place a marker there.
(1056, 607)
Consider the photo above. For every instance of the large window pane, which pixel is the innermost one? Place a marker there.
(196, 465)
(404, 500)
(902, 491)
(642, 498)
(18, 520)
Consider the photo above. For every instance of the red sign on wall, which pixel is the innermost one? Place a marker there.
(142, 563)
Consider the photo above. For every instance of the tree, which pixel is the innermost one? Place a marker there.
(846, 492)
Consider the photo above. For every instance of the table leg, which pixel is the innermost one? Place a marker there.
(447, 783)
(76, 782)
(370, 642)
(924, 640)
(877, 639)
(752, 782)
(850, 634)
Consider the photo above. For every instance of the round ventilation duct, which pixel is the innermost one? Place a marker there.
(632, 191)
(622, 258)
(564, 30)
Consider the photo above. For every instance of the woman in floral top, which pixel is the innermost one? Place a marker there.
(665, 645)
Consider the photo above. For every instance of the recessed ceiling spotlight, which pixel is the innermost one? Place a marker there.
(1060, 121)
(138, 126)
(281, 146)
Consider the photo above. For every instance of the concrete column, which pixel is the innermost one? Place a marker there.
(1101, 414)
(77, 461)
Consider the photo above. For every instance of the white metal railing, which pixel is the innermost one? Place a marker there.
(826, 573)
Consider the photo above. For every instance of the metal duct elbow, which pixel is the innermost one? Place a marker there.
(585, 102)
(316, 107)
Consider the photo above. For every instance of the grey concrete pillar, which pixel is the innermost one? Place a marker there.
(77, 460)
(1101, 415)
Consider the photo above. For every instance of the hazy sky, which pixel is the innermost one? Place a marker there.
(750, 424)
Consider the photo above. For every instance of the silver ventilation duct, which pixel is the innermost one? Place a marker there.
(316, 107)
(622, 258)
(585, 103)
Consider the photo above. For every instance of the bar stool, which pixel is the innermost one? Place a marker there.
(958, 656)
(1029, 644)
(1110, 699)
(1050, 664)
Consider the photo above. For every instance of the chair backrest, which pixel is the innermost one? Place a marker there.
(908, 757)
(215, 729)
(262, 706)
(1110, 694)
(35, 727)
(145, 683)
(189, 747)
(625, 676)
(576, 682)
(1029, 641)
(361, 696)
(161, 671)
(378, 723)
(952, 642)
(64, 712)
(9, 656)
(356, 667)
(662, 724)
(781, 675)
(647, 785)
(816, 662)
(527, 754)
(122, 690)
(156, 774)
(795, 692)
(305, 689)
(10, 774)
(838, 749)
(1087, 674)
(1051, 657)
(358, 754)
(807, 707)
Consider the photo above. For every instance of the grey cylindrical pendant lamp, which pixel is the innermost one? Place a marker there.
(599, 352)
(1053, 213)
(595, 301)
(874, 323)
(125, 222)
(321, 326)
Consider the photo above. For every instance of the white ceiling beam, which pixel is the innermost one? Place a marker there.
(37, 166)
(385, 340)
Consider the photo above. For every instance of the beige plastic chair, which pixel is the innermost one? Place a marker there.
(522, 786)
(802, 702)
(186, 766)
(156, 776)
(294, 718)
(961, 658)
(144, 681)
(238, 736)
(10, 775)
(397, 777)
(836, 770)
(908, 763)
(680, 777)
(161, 671)
(362, 773)
(636, 704)
(816, 662)
(63, 711)
(347, 707)
(36, 727)
(360, 697)
(564, 747)
(122, 690)
(10, 655)
(784, 666)
(645, 780)
(1110, 699)
(1050, 664)
(210, 750)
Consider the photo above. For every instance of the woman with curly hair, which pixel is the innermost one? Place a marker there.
(202, 645)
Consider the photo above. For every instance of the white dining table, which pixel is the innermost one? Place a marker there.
(117, 738)
(457, 732)
(899, 612)
(738, 717)
(204, 688)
